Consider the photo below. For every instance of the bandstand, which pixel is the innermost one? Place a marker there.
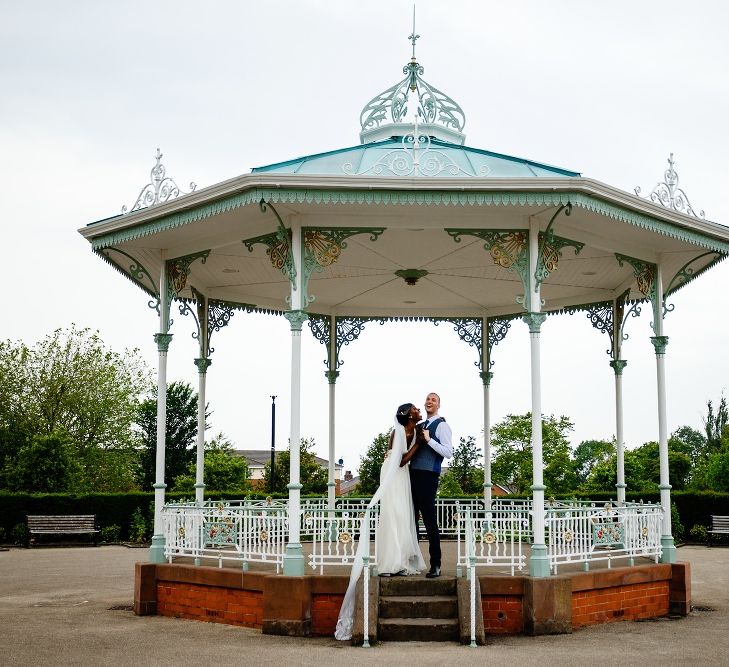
(410, 224)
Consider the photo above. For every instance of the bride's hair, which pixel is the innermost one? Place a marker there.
(403, 413)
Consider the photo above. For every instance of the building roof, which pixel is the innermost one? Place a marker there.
(261, 457)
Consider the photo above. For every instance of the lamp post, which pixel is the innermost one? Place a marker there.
(273, 443)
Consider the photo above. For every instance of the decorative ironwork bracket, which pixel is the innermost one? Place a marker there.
(685, 274)
(218, 316)
(278, 244)
(550, 248)
(323, 247)
(645, 275)
(508, 248)
(137, 273)
(346, 330)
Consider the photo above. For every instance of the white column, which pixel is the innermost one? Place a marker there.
(660, 341)
(294, 557)
(539, 560)
(163, 338)
(618, 365)
(331, 376)
(486, 377)
(202, 364)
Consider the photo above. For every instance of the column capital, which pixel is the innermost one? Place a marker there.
(202, 363)
(660, 343)
(296, 318)
(534, 320)
(618, 365)
(331, 376)
(163, 341)
(486, 377)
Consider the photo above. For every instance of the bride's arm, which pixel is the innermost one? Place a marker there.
(411, 452)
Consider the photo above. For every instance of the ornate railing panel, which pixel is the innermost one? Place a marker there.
(334, 536)
(237, 532)
(494, 538)
(590, 533)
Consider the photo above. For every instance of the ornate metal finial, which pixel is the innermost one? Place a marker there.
(668, 193)
(412, 36)
(412, 98)
(160, 189)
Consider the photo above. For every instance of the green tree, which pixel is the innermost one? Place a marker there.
(45, 465)
(70, 382)
(464, 466)
(312, 477)
(642, 470)
(371, 462)
(588, 454)
(512, 463)
(688, 441)
(714, 424)
(223, 469)
(181, 433)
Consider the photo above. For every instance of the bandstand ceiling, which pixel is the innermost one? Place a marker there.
(462, 279)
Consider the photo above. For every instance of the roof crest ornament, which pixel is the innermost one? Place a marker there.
(668, 194)
(390, 112)
(160, 189)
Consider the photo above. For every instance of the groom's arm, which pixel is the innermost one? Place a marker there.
(442, 443)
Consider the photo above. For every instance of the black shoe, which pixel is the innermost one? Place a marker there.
(434, 572)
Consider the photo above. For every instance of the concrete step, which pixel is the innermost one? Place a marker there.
(419, 629)
(417, 586)
(419, 606)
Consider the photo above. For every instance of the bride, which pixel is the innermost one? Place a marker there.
(396, 537)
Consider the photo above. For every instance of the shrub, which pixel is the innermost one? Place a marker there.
(111, 533)
(137, 527)
(19, 534)
(698, 533)
(677, 528)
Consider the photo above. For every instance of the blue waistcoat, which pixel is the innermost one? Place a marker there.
(426, 458)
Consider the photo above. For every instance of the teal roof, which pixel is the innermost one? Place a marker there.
(390, 158)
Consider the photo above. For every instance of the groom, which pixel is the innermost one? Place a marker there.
(436, 444)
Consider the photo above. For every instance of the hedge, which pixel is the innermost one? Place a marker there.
(111, 509)
(117, 508)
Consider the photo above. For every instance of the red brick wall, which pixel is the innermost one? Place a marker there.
(502, 614)
(210, 603)
(324, 613)
(628, 602)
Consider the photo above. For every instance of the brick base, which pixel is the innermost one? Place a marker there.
(510, 605)
(502, 614)
(210, 603)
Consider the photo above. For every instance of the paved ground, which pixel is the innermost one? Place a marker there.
(70, 606)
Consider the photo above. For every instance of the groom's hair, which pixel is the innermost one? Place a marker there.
(403, 413)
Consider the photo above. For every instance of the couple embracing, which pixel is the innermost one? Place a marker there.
(408, 486)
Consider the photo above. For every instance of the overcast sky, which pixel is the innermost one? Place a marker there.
(91, 89)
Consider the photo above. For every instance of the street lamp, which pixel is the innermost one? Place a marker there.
(273, 442)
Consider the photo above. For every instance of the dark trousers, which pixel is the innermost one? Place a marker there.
(424, 485)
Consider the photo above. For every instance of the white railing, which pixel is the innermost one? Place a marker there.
(589, 533)
(334, 535)
(226, 532)
(493, 539)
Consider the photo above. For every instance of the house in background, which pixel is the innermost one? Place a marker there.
(258, 459)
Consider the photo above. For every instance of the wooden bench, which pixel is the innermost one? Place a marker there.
(62, 524)
(719, 526)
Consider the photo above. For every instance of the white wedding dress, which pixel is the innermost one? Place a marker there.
(396, 539)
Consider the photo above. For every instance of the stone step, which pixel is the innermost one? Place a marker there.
(418, 606)
(417, 586)
(419, 629)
